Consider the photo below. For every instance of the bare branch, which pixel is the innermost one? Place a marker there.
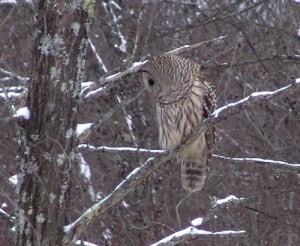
(74, 230)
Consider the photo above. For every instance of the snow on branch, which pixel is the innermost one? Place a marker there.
(192, 233)
(86, 148)
(280, 164)
(75, 229)
(125, 150)
(196, 45)
(258, 97)
(228, 200)
(99, 59)
(13, 92)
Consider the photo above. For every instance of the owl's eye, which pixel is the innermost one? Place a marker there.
(151, 82)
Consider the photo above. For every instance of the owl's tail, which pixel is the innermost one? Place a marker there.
(193, 175)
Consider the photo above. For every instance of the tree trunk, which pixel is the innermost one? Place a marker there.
(49, 138)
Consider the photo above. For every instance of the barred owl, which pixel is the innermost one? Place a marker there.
(183, 99)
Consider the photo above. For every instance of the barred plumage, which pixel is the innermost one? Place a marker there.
(184, 98)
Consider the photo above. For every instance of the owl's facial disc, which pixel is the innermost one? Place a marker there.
(151, 84)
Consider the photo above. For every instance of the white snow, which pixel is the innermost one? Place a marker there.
(228, 199)
(81, 128)
(298, 79)
(91, 93)
(298, 32)
(229, 105)
(116, 5)
(197, 221)
(120, 149)
(8, 2)
(138, 64)
(255, 159)
(99, 59)
(87, 84)
(123, 45)
(13, 179)
(76, 27)
(84, 243)
(125, 204)
(69, 133)
(194, 231)
(10, 94)
(23, 112)
(3, 212)
(113, 76)
(4, 205)
(85, 170)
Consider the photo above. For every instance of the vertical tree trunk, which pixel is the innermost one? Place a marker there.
(48, 152)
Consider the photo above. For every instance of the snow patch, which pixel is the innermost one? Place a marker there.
(125, 204)
(8, 2)
(13, 179)
(84, 243)
(3, 212)
(91, 93)
(197, 221)
(4, 205)
(76, 27)
(40, 218)
(82, 128)
(23, 113)
(138, 64)
(228, 199)
(85, 170)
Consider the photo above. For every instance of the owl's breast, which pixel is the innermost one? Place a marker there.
(177, 120)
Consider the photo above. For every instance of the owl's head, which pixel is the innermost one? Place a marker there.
(168, 77)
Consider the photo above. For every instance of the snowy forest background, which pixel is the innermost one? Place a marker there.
(253, 46)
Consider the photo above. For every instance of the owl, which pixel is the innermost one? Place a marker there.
(184, 98)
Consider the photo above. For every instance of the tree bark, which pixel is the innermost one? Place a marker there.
(47, 152)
